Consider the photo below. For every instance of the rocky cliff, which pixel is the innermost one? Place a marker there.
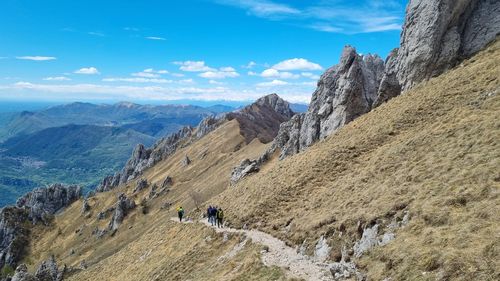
(260, 119)
(34, 207)
(436, 36)
(439, 34)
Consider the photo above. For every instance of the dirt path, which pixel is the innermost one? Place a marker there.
(279, 254)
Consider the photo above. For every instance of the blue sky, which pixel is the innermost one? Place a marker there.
(154, 50)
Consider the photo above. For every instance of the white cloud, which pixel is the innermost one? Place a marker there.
(155, 38)
(294, 92)
(193, 66)
(223, 72)
(214, 82)
(272, 83)
(162, 71)
(135, 29)
(273, 73)
(138, 80)
(262, 8)
(94, 33)
(57, 78)
(177, 74)
(145, 74)
(87, 70)
(219, 74)
(252, 73)
(297, 64)
(250, 65)
(310, 75)
(334, 16)
(36, 58)
(227, 69)
(186, 81)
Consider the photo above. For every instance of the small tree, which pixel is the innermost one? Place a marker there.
(197, 199)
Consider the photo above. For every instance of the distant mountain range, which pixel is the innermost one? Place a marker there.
(81, 142)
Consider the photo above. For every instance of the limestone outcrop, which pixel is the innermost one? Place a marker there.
(43, 202)
(123, 207)
(438, 34)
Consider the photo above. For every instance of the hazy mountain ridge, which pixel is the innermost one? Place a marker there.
(79, 143)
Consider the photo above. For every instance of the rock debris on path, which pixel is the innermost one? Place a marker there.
(279, 254)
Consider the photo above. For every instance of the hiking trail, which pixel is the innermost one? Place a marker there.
(278, 254)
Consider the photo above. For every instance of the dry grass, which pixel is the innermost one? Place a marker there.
(178, 252)
(433, 151)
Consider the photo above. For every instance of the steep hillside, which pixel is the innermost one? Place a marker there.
(408, 191)
(430, 155)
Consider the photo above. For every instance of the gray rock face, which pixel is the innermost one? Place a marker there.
(278, 104)
(22, 274)
(47, 201)
(13, 235)
(140, 185)
(389, 86)
(345, 92)
(245, 168)
(134, 166)
(438, 34)
(85, 206)
(123, 207)
(48, 271)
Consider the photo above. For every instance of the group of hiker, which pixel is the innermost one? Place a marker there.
(215, 216)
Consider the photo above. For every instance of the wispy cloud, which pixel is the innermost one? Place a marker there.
(95, 33)
(335, 16)
(155, 38)
(138, 80)
(2, 58)
(36, 58)
(134, 29)
(223, 72)
(262, 8)
(87, 70)
(174, 91)
(193, 66)
(57, 78)
(272, 83)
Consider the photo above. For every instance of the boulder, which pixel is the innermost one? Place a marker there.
(140, 185)
(186, 161)
(22, 274)
(85, 206)
(48, 271)
(123, 207)
(245, 168)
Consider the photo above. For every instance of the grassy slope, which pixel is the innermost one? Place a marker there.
(433, 151)
(170, 251)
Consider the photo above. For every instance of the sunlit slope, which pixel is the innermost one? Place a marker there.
(433, 151)
(151, 246)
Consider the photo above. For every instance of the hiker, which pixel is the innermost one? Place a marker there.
(209, 209)
(220, 218)
(213, 215)
(180, 213)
